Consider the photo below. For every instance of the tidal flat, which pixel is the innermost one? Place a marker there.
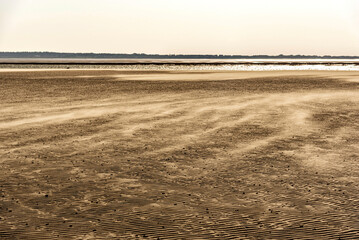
(109, 154)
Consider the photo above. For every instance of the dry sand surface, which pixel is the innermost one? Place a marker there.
(179, 155)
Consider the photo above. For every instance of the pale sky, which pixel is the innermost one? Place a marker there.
(247, 27)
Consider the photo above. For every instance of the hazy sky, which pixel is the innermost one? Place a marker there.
(181, 26)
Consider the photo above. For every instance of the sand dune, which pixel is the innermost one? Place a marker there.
(179, 155)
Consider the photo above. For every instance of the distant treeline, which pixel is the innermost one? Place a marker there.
(159, 56)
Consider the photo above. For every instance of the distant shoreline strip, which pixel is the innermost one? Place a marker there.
(178, 63)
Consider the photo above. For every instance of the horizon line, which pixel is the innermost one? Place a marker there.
(175, 54)
(42, 54)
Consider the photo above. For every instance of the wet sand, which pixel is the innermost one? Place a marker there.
(88, 154)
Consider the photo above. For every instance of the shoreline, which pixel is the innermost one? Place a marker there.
(145, 61)
(197, 74)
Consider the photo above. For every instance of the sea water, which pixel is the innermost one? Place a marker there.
(191, 64)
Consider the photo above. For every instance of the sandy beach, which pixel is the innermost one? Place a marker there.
(92, 154)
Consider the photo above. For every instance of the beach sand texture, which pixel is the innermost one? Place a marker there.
(89, 154)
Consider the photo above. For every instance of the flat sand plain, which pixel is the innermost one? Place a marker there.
(179, 155)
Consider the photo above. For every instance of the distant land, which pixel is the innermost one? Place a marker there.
(159, 56)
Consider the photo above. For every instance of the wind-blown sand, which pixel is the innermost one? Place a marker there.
(179, 155)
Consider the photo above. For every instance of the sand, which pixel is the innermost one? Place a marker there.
(179, 155)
